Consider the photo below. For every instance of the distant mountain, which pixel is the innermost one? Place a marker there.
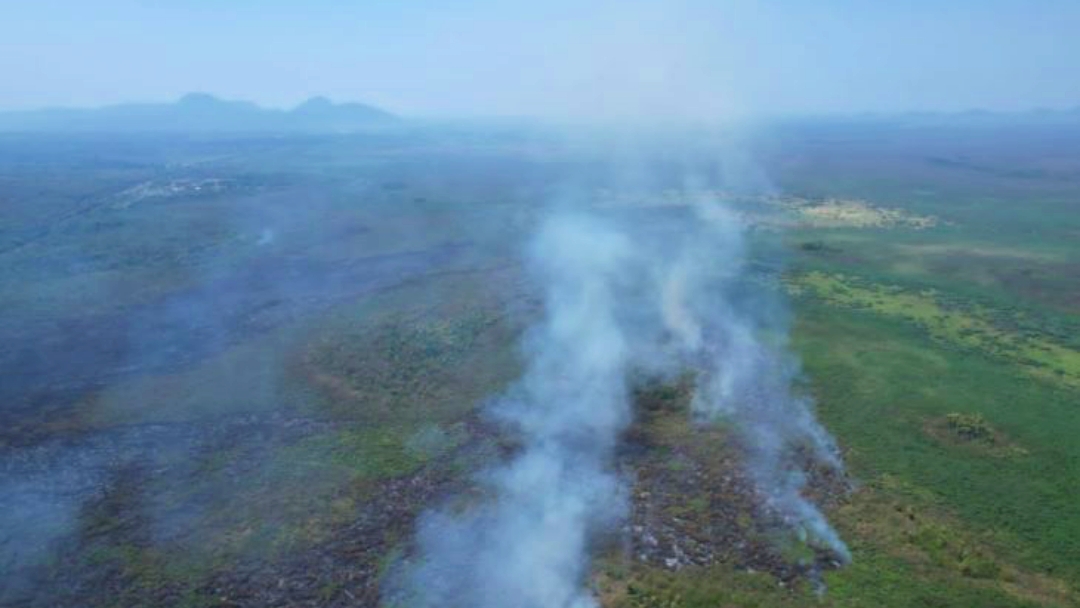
(199, 112)
(1038, 117)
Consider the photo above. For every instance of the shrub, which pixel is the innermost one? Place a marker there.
(972, 427)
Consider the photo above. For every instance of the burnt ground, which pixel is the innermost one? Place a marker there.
(122, 553)
(693, 504)
(50, 363)
(691, 507)
(294, 503)
(289, 509)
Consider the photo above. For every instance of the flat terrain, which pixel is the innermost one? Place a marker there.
(235, 370)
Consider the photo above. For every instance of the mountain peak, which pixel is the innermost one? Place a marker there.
(198, 99)
(202, 112)
(317, 103)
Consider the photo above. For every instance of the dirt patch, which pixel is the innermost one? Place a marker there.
(972, 433)
(836, 213)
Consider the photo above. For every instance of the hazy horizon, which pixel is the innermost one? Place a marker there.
(478, 58)
(342, 101)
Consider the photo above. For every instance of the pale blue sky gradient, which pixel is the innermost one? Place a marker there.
(682, 58)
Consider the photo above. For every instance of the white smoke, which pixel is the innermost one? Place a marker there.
(745, 374)
(527, 548)
(623, 298)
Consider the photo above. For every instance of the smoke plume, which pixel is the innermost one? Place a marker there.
(625, 298)
(729, 326)
(527, 547)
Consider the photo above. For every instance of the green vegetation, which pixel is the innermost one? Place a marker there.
(314, 390)
(960, 324)
(945, 358)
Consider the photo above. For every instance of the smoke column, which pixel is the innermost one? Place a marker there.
(527, 548)
(623, 299)
(726, 325)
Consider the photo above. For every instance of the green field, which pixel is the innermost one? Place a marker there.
(246, 395)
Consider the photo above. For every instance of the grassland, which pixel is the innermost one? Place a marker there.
(956, 324)
(253, 410)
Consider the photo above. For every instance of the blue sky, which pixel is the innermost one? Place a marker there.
(680, 58)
